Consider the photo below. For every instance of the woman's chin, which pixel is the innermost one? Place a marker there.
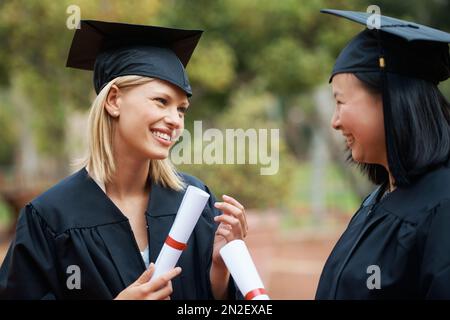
(158, 156)
(357, 157)
(161, 155)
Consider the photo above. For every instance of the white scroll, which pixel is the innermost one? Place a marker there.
(240, 264)
(189, 212)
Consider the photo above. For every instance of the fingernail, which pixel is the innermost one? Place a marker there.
(217, 204)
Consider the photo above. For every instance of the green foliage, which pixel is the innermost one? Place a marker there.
(8, 127)
(218, 74)
(5, 214)
(249, 110)
(274, 43)
(340, 200)
(289, 68)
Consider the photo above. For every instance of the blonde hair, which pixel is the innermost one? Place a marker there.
(100, 160)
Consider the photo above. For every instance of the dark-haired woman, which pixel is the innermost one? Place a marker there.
(397, 125)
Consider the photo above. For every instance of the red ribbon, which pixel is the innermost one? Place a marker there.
(257, 292)
(171, 242)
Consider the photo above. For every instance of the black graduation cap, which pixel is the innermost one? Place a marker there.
(404, 48)
(114, 49)
(398, 47)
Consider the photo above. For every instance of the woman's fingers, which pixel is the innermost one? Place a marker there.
(237, 204)
(236, 226)
(146, 275)
(162, 280)
(232, 210)
(226, 233)
(233, 201)
(171, 290)
(143, 288)
(163, 293)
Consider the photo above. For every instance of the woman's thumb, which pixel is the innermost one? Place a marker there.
(146, 275)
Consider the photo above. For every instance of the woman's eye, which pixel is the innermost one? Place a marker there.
(161, 101)
(182, 110)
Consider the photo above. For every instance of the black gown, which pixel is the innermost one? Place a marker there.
(75, 224)
(406, 235)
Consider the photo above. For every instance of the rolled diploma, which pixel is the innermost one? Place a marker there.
(190, 209)
(241, 266)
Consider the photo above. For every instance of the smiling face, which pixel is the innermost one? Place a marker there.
(150, 117)
(359, 117)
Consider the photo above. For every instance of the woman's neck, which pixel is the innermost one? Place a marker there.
(130, 178)
(391, 185)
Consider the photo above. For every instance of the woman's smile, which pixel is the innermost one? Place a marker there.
(165, 138)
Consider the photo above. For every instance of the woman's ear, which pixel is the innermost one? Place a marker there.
(111, 103)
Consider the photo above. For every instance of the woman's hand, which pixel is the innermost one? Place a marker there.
(233, 225)
(158, 289)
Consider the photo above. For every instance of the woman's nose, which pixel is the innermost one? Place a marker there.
(336, 121)
(173, 118)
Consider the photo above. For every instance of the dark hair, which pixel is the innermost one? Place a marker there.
(419, 130)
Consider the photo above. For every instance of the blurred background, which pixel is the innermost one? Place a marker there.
(260, 64)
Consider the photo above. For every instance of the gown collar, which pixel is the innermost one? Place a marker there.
(157, 192)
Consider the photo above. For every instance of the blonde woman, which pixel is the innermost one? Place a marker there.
(95, 233)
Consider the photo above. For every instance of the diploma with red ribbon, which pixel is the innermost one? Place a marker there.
(190, 209)
(240, 264)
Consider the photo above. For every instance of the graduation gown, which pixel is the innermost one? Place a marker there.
(406, 236)
(75, 225)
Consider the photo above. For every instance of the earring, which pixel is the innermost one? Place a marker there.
(116, 113)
